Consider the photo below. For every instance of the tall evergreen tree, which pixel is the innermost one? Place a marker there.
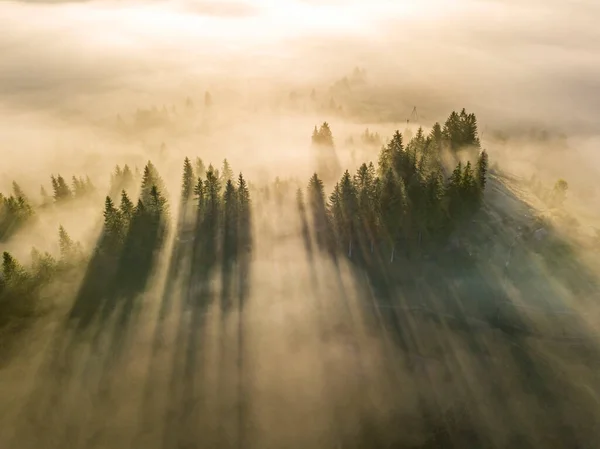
(12, 270)
(61, 189)
(187, 183)
(318, 207)
(392, 205)
(481, 170)
(212, 189)
(226, 172)
(230, 220)
(150, 178)
(114, 231)
(126, 208)
(67, 246)
(350, 210)
(200, 168)
(17, 191)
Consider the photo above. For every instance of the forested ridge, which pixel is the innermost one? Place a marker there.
(403, 201)
(392, 285)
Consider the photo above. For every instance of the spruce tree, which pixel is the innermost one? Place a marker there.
(318, 208)
(230, 219)
(126, 208)
(113, 225)
(482, 169)
(325, 135)
(212, 188)
(391, 208)
(187, 183)
(200, 168)
(350, 210)
(12, 271)
(150, 178)
(17, 191)
(199, 192)
(61, 189)
(67, 245)
(78, 186)
(226, 172)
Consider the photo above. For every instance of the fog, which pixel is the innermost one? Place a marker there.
(294, 348)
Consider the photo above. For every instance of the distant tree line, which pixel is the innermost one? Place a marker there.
(20, 285)
(17, 209)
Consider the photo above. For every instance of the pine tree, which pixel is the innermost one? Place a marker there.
(61, 189)
(315, 136)
(150, 178)
(78, 187)
(469, 188)
(158, 203)
(325, 135)
(43, 266)
(126, 208)
(17, 191)
(212, 189)
(114, 231)
(392, 205)
(226, 172)
(391, 156)
(199, 192)
(318, 208)
(230, 219)
(243, 192)
(200, 168)
(13, 272)
(187, 183)
(350, 209)
(482, 169)
(67, 245)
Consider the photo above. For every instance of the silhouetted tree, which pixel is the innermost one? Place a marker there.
(226, 172)
(187, 183)
(61, 189)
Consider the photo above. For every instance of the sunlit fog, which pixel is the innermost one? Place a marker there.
(299, 223)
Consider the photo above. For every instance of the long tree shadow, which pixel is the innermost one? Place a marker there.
(86, 348)
(478, 300)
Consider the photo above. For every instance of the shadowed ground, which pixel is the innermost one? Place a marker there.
(287, 347)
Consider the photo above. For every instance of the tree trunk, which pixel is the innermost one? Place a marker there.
(350, 249)
(393, 251)
(372, 245)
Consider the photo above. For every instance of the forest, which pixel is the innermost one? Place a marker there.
(408, 268)
(401, 205)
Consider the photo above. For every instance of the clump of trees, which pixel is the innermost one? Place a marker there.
(15, 211)
(328, 164)
(21, 285)
(80, 187)
(407, 198)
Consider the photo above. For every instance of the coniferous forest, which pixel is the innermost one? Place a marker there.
(293, 224)
(373, 306)
(403, 204)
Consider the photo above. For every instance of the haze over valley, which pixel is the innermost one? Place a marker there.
(293, 223)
